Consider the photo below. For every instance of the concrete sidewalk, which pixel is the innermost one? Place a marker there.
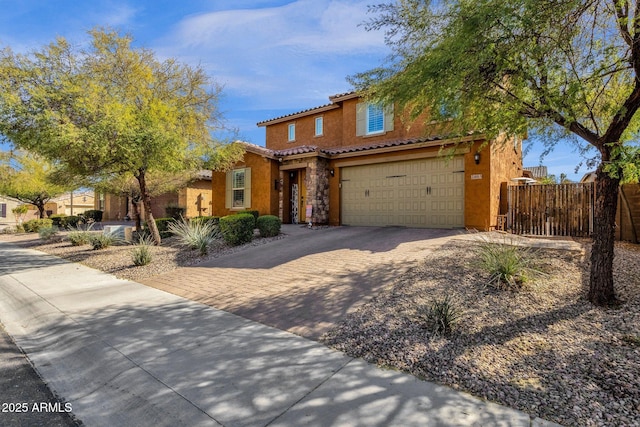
(125, 354)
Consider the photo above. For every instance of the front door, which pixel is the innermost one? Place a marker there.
(297, 192)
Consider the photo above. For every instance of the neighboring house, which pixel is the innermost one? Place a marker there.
(72, 203)
(536, 172)
(353, 163)
(195, 198)
(7, 218)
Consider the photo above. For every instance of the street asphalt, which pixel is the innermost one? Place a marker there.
(121, 353)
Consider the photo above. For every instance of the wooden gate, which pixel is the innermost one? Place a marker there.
(551, 209)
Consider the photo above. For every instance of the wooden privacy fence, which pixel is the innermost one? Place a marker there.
(551, 210)
(628, 215)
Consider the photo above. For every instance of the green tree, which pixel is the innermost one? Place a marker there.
(19, 212)
(559, 68)
(29, 179)
(109, 110)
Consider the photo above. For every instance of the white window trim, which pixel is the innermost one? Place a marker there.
(319, 120)
(291, 132)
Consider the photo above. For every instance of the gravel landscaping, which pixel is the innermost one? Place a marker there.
(117, 260)
(544, 349)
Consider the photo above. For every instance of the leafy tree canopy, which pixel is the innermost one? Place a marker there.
(561, 68)
(109, 109)
(30, 179)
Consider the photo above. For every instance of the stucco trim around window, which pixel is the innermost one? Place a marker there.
(319, 126)
(365, 124)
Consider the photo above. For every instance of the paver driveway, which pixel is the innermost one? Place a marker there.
(308, 281)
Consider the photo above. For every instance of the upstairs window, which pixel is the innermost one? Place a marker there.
(319, 126)
(292, 132)
(375, 118)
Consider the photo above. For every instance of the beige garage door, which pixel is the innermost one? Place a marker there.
(415, 193)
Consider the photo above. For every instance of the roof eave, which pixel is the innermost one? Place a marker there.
(294, 116)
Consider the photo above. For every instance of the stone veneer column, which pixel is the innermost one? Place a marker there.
(281, 197)
(318, 189)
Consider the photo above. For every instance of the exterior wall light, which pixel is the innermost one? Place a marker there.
(332, 172)
(476, 157)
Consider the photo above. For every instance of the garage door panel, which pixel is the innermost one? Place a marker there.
(416, 193)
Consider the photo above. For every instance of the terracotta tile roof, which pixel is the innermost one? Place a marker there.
(299, 113)
(307, 149)
(343, 96)
(257, 149)
(303, 149)
(383, 144)
(333, 98)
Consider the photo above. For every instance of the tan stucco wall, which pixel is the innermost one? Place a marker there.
(499, 162)
(196, 198)
(115, 207)
(264, 197)
(340, 130)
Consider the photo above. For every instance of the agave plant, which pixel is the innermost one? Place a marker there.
(195, 234)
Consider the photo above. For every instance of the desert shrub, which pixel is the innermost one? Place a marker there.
(441, 316)
(8, 230)
(63, 221)
(79, 236)
(237, 229)
(141, 254)
(269, 225)
(48, 233)
(256, 215)
(509, 266)
(195, 234)
(72, 222)
(59, 220)
(175, 212)
(103, 240)
(93, 215)
(163, 226)
(34, 225)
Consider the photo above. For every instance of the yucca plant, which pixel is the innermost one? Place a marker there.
(508, 265)
(141, 254)
(195, 234)
(441, 316)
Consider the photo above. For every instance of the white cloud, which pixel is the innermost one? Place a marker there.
(302, 49)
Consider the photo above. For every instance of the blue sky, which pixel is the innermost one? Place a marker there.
(272, 57)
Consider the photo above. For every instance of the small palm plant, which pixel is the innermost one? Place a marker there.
(195, 234)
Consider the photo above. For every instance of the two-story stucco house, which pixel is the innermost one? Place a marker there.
(353, 163)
